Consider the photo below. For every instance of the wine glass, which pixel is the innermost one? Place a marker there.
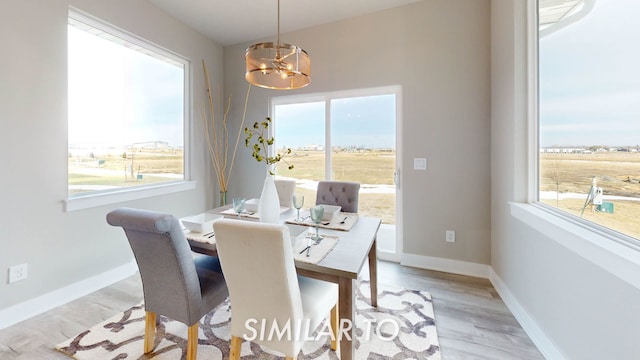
(298, 201)
(316, 216)
(238, 205)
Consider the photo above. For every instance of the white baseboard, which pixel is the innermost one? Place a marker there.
(388, 256)
(446, 265)
(30, 308)
(528, 323)
(537, 335)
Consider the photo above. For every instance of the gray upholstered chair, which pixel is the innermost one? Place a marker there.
(257, 259)
(341, 193)
(285, 189)
(175, 284)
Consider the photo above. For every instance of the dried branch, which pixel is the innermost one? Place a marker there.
(217, 135)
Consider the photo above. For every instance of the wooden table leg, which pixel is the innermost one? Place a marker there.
(346, 297)
(373, 273)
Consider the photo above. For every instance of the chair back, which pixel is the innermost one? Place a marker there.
(257, 261)
(285, 189)
(169, 278)
(342, 193)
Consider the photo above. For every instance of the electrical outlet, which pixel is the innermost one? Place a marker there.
(450, 236)
(17, 273)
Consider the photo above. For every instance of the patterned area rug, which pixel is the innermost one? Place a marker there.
(402, 327)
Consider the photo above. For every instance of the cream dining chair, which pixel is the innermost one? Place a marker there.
(257, 260)
(285, 189)
(175, 284)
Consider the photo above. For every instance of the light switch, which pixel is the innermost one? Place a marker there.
(419, 164)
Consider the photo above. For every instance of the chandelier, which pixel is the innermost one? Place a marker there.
(277, 66)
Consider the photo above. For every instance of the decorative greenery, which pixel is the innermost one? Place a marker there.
(217, 136)
(261, 145)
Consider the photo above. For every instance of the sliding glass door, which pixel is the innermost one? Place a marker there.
(345, 136)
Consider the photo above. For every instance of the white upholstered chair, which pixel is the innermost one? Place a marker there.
(342, 193)
(258, 265)
(175, 284)
(285, 189)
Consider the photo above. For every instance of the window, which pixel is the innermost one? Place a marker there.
(127, 111)
(346, 136)
(589, 112)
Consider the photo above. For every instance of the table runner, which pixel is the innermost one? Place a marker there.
(335, 224)
(208, 238)
(316, 254)
(229, 213)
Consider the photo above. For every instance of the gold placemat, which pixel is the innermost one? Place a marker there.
(317, 252)
(342, 221)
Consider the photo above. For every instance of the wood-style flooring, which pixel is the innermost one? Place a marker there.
(472, 320)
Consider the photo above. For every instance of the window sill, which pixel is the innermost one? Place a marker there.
(603, 250)
(100, 199)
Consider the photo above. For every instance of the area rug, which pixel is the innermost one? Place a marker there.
(401, 327)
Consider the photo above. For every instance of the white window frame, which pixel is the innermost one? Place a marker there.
(327, 97)
(616, 253)
(100, 198)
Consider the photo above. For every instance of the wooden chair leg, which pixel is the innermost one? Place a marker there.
(334, 327)
(192, 342)
(234, 352)
(149, 331)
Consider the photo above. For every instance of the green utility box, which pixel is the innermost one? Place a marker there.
(606, 207)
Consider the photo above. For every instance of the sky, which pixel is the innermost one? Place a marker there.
(119, 96)
(590, 79)
(358, 121)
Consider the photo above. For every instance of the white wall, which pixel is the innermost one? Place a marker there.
(61, 247)
(573, 308)
(438, 52)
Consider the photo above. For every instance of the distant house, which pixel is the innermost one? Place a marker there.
(151, 145)
(559, 150)
(314, 147)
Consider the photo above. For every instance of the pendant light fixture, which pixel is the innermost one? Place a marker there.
(277, 66)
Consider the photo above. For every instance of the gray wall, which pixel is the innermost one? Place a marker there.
(583, 310)
(438, 52)
(61, 247)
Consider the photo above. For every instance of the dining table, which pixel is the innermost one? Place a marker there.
(342, 265)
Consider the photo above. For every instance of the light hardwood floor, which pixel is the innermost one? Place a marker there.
(472, 320)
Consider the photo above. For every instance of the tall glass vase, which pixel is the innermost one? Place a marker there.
(269, 206)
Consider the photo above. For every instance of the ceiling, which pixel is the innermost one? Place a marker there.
(229, 22)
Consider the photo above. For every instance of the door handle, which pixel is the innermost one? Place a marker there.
(396, 178)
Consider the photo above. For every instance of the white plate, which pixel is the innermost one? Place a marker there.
(252, 205)
(330, 211)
